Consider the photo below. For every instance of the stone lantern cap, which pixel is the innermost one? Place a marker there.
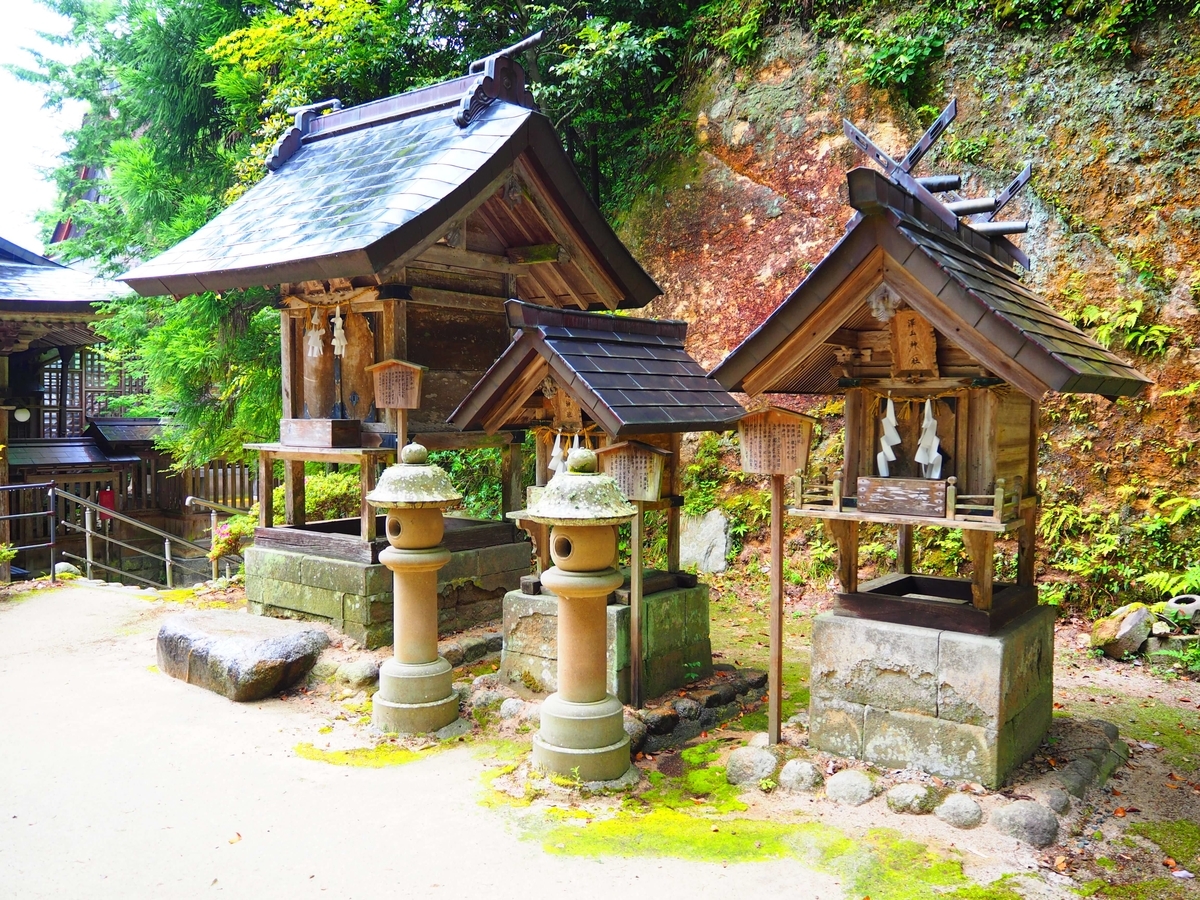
(580, 496)
(414, 483)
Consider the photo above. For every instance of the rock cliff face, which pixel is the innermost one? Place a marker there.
(1114, 211)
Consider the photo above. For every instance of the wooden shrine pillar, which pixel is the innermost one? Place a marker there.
(512, 466)
(845, 535)
(904, 549)
(981, 546)
(293, 492)
(674, 489)
(1026, 542)
(775, 628)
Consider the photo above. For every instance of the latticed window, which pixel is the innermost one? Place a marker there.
(92, 384)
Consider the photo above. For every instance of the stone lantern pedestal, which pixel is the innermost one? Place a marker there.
(415, 693)
(582, 733)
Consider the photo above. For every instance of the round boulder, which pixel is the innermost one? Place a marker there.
(65, 568)
(800, 775)
(635, 728)
(762, 739)
(960, 811)
(1027, 821)
(914, 799)
(850, 786)
(1123, 631)
(748, 765)
(358, 674)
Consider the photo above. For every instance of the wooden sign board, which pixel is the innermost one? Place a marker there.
(636, 467)
(914, 346)
(775, 441)
(320, 432)
(397, 384)
(902, 496)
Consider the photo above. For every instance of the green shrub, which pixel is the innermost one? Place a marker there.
(901, 61)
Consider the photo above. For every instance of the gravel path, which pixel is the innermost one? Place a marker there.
(116, 781)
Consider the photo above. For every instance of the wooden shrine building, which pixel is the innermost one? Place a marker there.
(943, 355)
(396, 230)
(628, 388)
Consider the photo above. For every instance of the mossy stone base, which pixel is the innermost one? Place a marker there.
(675, 641)
(958, 705)
(586, 741)
(356, 597)
(414, 699)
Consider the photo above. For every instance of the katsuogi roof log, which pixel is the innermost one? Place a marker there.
(631, 376)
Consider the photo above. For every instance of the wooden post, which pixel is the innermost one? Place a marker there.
(845, 535)
(636, 539)
(1026, 542)
(293, 491)
(775, 662)
(511, 469)
(981, 547)
(904, 549)
(266, 516)
(675, 489)
(367, 467)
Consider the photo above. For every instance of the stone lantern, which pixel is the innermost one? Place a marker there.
(582, 732)
(415, 692)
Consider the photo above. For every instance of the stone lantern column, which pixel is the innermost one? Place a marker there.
(582, 732)
(415, 693)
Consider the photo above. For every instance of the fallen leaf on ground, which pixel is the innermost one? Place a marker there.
(237, 836)
(1119, 812)
(1169, 863)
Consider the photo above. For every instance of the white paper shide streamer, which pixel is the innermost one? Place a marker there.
(313, 338)
(890, 439)
(339, 334)
(927, 446)
(556, 463)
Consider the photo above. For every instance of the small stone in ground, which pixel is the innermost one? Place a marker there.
(636, 729)
(799, 720)
(750, 765)
(1057, 800)
(65, 568)
(915, 799)
(687, 709)
(324, 670)
(511, 707)
(360, 673)
(487, 697)
(473, 647)
(762, 739)
(1027, 821)
(457, 728)
(849, 786)
(960, 811)
(800, 775)
(661, 720)
(451, 653)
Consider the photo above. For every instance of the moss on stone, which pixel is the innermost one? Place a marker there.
(1176, 730)
(1154, 889)
(377, 757)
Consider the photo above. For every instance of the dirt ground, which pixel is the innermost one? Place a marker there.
(119, 781)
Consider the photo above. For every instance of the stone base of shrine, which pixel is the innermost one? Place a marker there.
(355, 595)
(962, 706)
(675, 641)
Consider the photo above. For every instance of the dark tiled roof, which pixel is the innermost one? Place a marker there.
(357, 189)
(1083, 365)
(111, 432)
(35, 287)
(51, 452)
(966, 271)
(632, 376)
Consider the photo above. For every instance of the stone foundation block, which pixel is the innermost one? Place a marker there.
(877, 663)
(956, 705)
(836, 726)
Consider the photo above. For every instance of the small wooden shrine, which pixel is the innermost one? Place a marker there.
(627, 387)
(918, 318)
(942, 355)
(396, 230)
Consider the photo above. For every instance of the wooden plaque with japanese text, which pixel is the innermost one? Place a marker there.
(775, 442)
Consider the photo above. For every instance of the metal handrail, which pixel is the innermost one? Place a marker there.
(137, 523)
(217, 507)
(51, 512)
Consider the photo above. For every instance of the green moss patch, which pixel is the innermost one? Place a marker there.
(1154, 889)
(1179, 839)
(668, 832)
(377, 757)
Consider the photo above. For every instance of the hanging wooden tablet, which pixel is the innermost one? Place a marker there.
(775, 441)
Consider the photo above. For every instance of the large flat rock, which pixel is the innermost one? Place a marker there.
(242, 656)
